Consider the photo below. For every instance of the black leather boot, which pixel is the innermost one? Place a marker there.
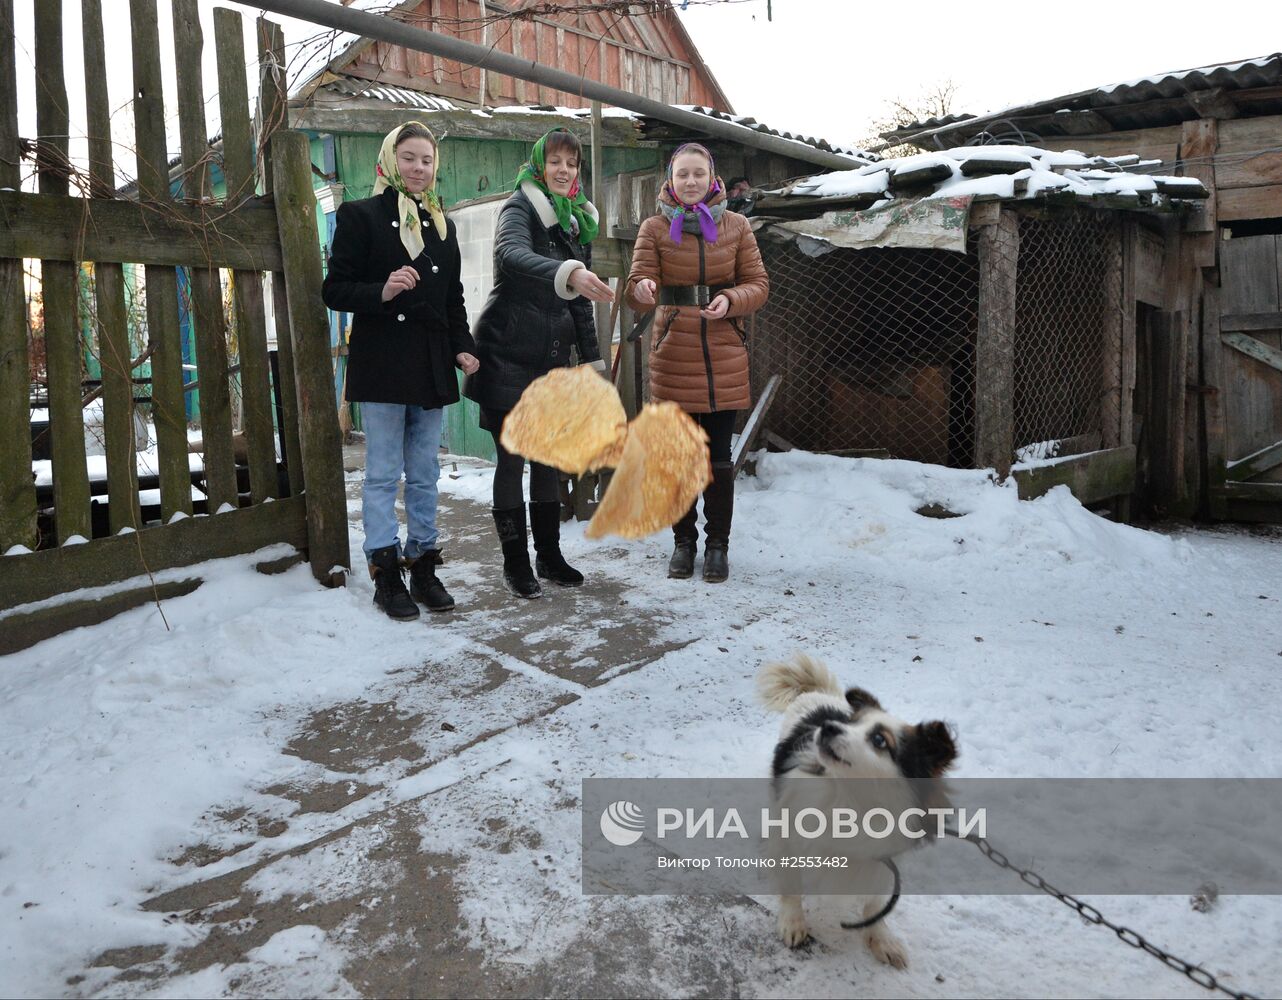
(718, 512)
(545, 526)
(425, 586)
(685, 539)
(517, 572)
(389, 586)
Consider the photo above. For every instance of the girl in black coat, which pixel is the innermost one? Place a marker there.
(537, 311)
(394, 265)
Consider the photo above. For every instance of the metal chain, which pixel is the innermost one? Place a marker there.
(1092, 915)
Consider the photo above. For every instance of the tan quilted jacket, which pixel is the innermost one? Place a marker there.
(698, 363)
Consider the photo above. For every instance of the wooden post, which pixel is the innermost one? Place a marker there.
(209, 333)
(109, 294)
(995, 345)
(168, 407)
(1212, 358)
(59, 285)
(1111, 337)
(17, 491)
(272, 115)
(247, 286)
(321, 440)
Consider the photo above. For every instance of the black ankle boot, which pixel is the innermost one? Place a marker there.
(545, 526)
(425, 586)
(716, 565)
(389, 586)
(685, 534)
(681, 565)
(517, 573)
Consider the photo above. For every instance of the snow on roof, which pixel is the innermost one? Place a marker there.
(1213, 75)
(994, 172)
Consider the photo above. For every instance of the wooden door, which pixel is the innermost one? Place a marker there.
(1248, 484)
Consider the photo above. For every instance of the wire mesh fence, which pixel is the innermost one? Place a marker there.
(877, 346)
(1067, 302)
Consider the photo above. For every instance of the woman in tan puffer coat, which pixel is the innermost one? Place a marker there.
(697, 264)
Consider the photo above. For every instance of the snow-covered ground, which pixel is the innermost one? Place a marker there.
(282, 767)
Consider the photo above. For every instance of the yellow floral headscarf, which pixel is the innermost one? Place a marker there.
(389, 175)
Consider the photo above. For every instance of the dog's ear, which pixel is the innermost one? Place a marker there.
(859, 699)
(926, 750)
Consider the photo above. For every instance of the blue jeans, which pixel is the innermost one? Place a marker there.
(400, 439)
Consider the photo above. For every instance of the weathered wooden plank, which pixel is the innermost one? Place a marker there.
(1252, 348)
(1243, 137)
(1250, 275)
(321, 440)
(1130, 292)
(1256, 464)
(168, 405)
(1251, 321)
(17, 493)
(123, 232)
(1264, 202)
(1255, 171)
(1111, 363)
(755, 423)
(22, 631)
(1213, 399)
(1097, 476)
(247, 286)
(1258, 492)
(109, 293)
(1198, 143)
(272, 105)
(998, 248)
(60, 290)
(208, 325)
(41, 575)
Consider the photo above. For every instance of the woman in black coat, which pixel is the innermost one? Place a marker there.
(394, 265)
(537, 314)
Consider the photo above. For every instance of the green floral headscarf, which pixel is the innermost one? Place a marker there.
(570, 211)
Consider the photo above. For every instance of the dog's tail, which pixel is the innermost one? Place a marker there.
(779, 684)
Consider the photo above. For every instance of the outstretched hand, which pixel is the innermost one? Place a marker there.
(590, 286)
(400, 280)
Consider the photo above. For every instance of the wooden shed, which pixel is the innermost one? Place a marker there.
(1209, 320)
(973, 308)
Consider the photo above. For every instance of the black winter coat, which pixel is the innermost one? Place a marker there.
(401, 351)
(531, 319)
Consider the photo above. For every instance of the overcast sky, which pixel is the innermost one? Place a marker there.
(821, 67)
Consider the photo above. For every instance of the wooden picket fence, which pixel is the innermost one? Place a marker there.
(300, 499)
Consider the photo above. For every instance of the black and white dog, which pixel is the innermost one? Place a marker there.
(830, 734)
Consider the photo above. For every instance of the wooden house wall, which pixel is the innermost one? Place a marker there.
(646, 55)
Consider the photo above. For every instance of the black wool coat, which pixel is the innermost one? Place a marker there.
(531, 319)
(401, 351)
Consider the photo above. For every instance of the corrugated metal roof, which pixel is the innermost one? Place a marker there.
(354, 87)
(1139, 103)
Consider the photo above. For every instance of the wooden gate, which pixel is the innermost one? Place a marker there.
(1244, 432)
(241, 495)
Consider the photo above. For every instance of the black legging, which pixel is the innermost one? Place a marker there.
(720, 428)
(544, 480)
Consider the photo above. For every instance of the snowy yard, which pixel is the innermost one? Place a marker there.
(286, 794)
